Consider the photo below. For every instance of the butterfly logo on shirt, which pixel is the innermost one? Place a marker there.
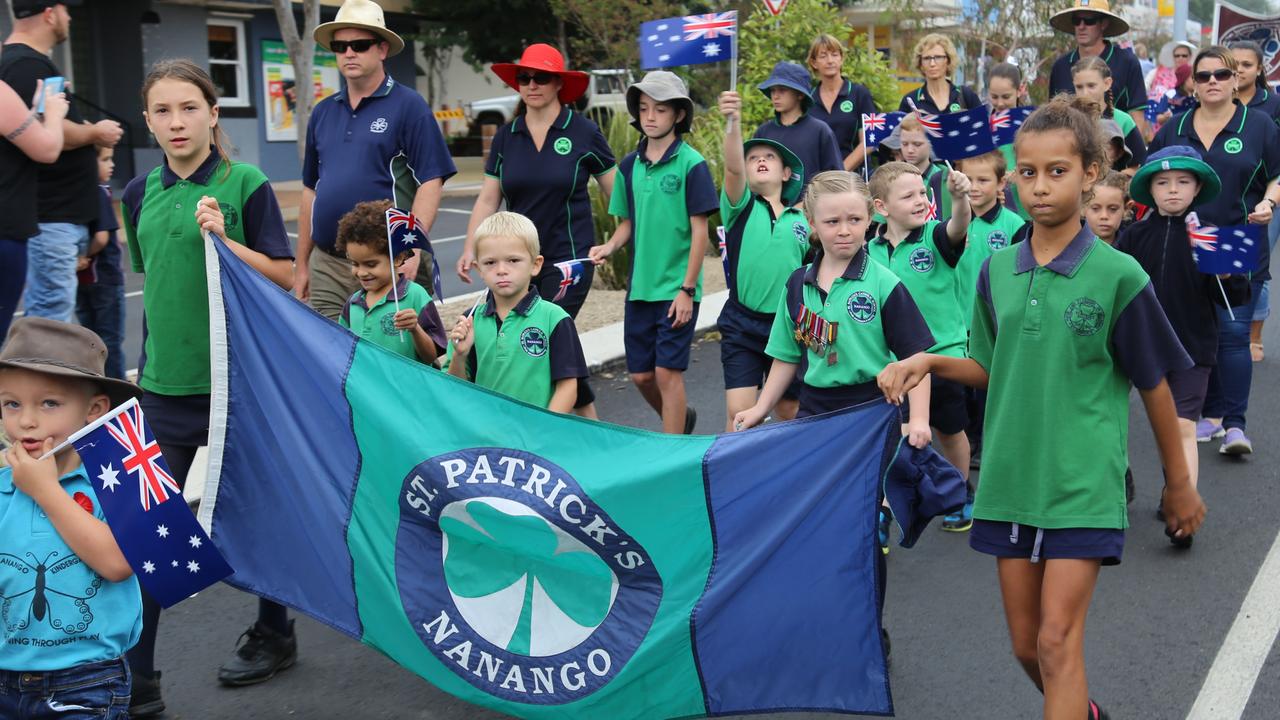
(42, 603)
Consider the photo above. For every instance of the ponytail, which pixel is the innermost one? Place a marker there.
(186, 71)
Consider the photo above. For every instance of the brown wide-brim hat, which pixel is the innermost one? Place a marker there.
(361, 15)
(1063, 21)
(541, 57)
(63, 349)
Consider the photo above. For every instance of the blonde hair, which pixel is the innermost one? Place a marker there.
(948, 47)
(885, 175)
(826, 41)
(833, 182)
(911, 123)
(510, 225)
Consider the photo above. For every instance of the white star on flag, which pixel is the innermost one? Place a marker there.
(108, 477)
(148, 567)
(173, 563)
(195, 541)
(193, 566)
(711, 49)
(162, 531)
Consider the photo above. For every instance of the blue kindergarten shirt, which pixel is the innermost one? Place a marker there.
(108, 268)
(383, 149)
(84, 619)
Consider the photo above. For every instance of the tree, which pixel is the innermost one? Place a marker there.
(606, 34)
(302, 55)
(495, 30)
(437, 41)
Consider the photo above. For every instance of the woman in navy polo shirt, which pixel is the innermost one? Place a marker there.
(1243, 145)
(839, 101)
(936, 59)
(540, 165)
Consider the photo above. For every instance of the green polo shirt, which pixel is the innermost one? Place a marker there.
(1062, 343)
(524, 355)
(988, 233)
(1011, 199)
(377, 323)
(926, 262)
(762, 250)
(659, 198)
(876, 322)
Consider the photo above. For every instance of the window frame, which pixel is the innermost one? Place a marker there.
(245, 95)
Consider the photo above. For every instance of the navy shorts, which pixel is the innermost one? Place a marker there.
(1011, 540)
(744, 334)
(1189, 388)
(181, 420)
(650, 340)
(948, 406)
(816, 400)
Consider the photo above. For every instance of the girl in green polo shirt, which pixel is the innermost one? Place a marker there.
(1063, 326)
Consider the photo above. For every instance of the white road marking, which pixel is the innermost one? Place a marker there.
(455, 210)
(1234, 672)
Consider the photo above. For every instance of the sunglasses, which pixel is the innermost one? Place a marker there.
(1221, 75)
(361, 46)
(1089, 20)
(541, 78)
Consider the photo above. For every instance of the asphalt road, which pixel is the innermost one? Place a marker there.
(1157, 623)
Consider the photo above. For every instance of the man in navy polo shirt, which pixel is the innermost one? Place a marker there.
(1091, 21)
(372, 140)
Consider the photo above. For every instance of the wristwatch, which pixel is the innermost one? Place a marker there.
(688, 290)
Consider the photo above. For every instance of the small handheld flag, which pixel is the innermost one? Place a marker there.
(1005, 123)
(405, 232)
(1156, 107)
(688, 40)
(169, 552)
(723, 245)
(879, 126)
(958, 135)
(1225, 250)
(571, 272)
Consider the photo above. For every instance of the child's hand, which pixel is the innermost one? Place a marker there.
(1183, 509)
(32, 475)
(598, 253)
(730, 104)
(681, 310)
(82, 264)
(748, 418)
(899, 377)
(918, 434)
(462, 336)
(958, 184)
(406, 319)
(1261, 214)
(209, 217)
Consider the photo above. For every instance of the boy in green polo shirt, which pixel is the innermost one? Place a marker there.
(917, 150)
(663, 193)
(389, 309)
(516, 343)
(924, 253)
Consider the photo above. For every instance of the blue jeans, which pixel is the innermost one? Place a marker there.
(1229, 384)
(97, 690)
(101, 309)
(51, 270)
(13, 275)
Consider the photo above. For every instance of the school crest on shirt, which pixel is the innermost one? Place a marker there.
(846, 106)
(379, 126)
(862, 306)
(563, 146)
(670, 183)
(389, 324)
(921, 259)
(801, 232)
(1085, 316)
(230, 216)
(997, 240)
(1233, 146)
(534, 342)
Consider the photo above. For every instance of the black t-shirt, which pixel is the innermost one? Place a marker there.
(67, 189)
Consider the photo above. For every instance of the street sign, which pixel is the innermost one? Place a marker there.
(775, 6)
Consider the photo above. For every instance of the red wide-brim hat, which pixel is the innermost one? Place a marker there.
(544, 58)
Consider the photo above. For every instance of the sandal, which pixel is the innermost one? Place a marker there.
(1255, 349)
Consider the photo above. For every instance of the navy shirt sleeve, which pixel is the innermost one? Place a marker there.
(429, 320)
(567, 360)
(1060, 77)
(970, 98)
(829, 151)
(424, 144)
(984, 294)
(905, 329)
(700, 190)
(947, 248)
(264, 225)
(1136, 146)
(1135, 95)
(106, 220)
(310, 158)
(1144, 344)
(493, 163)
(599, 159)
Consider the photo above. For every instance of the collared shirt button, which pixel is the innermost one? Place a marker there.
(177, 206)
(1034, 301)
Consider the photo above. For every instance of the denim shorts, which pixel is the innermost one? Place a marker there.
(1012, 540)
(1262, 303)
(96, 690)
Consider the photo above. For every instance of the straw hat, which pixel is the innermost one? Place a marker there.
(1063, 21)
(362, 15)
(63, 349)
(541, 57)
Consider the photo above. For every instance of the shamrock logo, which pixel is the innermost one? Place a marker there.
(997, 240)
(921, 260)
(862, 306)
(563, 146)
(1085, 316)
(230, 216)
(1233, 146)
(670, 183)
(846, 106)
(521, 583)
(534, 342)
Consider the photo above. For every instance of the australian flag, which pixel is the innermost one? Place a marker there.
(1226, 250)
(688, 40)
(879, 126)
(958, 135)
(169, 552)
(722, 243)
(404, 232)
(1005, 123)
(570, 274)
(1156, 106)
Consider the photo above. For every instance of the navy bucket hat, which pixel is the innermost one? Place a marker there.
(793, 76)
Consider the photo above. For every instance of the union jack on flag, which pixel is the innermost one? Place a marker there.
(878, 126)
(711, 25)
(571, 272)
(932, 125)
(723, 245)
(404, 232)
(688, 40)
(1005, 123)
(933, 209)
(155, 484)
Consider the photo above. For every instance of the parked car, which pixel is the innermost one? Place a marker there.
(606, 94)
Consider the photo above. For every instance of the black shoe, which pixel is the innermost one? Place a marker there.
(1182, 543)
(1128, 486)
(690, 419)
(1160, 509)
(264, 653)
(888, 646)
(145, 700)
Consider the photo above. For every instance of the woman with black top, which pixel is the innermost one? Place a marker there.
(839, 101)
(936, 59)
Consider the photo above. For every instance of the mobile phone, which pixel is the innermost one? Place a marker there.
(51, 85)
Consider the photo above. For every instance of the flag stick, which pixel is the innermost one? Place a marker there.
(733, 76)
(111, 415)
(1225, 301)
(866, 153)
(391, 253)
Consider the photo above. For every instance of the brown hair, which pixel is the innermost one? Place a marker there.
(885, 175)
(1113, 179)
(824, 41)
(186, 71)
(1067, 112)
(1098, 65)
(1218, 52)
(365, 224)
(833, 182)
(995, 159)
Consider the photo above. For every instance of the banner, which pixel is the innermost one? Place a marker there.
(544, 565)
(279, 89)
(1231, 23)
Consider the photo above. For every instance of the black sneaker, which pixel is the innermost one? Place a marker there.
(145, 700)
(264, 653)
(690, 419)
(1182, 543)
(888, 646)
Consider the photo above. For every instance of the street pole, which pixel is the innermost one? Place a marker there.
(1180, 21)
